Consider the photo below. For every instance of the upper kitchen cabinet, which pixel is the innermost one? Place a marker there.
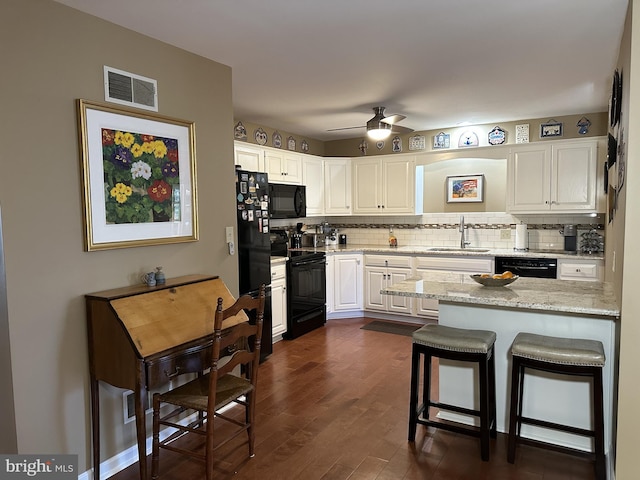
(283, 166)
(249, 157)
(557, 177)
(384, 185)
(328, 182)
(337, 186)
(312, 175)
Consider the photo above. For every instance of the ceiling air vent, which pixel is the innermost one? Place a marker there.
(129, 89)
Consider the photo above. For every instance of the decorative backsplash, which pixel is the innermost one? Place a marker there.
(488, 230)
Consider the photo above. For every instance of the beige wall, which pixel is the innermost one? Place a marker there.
(627, 275)
(350, 147)
(51, 56)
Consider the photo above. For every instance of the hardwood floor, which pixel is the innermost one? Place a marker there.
(333, 405)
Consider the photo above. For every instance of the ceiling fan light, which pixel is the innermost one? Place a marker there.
(379, 133)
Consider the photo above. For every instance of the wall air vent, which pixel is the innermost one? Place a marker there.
(129, 89)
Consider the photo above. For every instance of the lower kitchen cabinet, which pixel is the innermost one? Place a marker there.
(344, 282)
(428, 307)
(381, 271)
(278, 301)
(582, 270)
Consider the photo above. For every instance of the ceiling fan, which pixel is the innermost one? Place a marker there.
(381, 126)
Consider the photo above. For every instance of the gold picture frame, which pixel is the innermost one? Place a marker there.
(138, 177)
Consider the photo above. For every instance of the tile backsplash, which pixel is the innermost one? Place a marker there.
(487, 230)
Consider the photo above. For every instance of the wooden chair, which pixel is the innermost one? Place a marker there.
(221, 386)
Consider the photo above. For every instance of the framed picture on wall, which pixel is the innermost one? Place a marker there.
(465, 188)
(138, 174)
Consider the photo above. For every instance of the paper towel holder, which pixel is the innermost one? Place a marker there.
(522, 238)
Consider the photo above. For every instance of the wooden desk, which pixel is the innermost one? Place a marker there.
(141, 337)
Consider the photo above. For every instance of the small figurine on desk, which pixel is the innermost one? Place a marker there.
(160, 278)
(149, 279)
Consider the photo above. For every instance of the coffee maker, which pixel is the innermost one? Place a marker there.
(570, 234)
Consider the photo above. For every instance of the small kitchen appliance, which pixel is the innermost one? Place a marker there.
(342, 239)
(570, 234)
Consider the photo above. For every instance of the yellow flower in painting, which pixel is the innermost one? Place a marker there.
(121, 192)
(125, 139)
(118, 138)
(147, 147)
(136, 150)
(128, 139)
(159, 149)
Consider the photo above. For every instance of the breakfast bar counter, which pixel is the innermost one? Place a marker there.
(560, 296)
(559, 308)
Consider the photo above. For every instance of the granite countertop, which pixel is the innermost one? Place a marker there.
(561, 296)
(279, 260)
(454, 252)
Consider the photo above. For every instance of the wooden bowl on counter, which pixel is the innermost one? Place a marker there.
(490, 281)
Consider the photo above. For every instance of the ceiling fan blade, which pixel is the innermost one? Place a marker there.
(399, 129)
(391, 119)
(344, 128)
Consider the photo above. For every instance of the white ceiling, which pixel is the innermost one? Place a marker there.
(307, 66)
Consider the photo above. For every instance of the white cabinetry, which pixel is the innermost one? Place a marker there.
(249, 157)
(344, 282)
(278, 300)
(558, 177)
(283, 167)
(337, 186)
(428, 307)
(590, 270)
(381, 271)
(384, 185)
(313, 169)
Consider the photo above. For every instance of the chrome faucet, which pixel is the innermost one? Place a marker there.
(463, 243)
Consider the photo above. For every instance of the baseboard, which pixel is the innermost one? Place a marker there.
(128, 457)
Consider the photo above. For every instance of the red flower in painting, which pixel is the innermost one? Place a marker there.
(172, 155)
(159, 191)
(147, 138)
(108, 136)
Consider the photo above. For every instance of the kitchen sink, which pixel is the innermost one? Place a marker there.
(457, 249)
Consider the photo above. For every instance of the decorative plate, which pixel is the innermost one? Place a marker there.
(442, 140)
(291, 144)
(417, 142)
(276, 139)
(239, 132)
(261, 136)
(493, 282)
(616, 99)
(468, 139)
(497, 136)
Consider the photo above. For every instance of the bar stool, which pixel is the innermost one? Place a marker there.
(462, 345)
(565, 356)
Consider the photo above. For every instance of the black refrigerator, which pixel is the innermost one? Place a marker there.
(254, 246)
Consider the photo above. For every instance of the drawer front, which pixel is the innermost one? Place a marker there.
(456, 264)
(278, 272)
(399, 261)
(161, 370)
(578, 271)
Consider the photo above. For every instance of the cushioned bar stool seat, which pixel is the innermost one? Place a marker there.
(565, 356)
(459, 344)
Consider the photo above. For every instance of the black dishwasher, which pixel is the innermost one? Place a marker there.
(528, 266)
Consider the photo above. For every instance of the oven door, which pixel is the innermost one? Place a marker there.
(306, 294)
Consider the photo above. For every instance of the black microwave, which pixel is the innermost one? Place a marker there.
(287, 201)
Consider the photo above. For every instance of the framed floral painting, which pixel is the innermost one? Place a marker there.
(139, 182)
